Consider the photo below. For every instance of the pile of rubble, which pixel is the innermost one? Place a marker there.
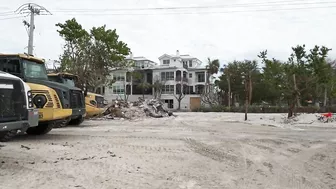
(133, 110)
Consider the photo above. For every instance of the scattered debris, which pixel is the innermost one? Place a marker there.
(26, 147)
(111, 154)
(66, 144)
(132, 110)
(87, 158)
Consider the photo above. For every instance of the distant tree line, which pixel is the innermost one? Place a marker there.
(306, 78)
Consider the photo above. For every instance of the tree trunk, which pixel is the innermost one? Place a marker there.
(246, 98)
(297, 100)
(207, 82)
(229, 93)
(250, 88)
(291, 105)
(179, 105)
(325, 97)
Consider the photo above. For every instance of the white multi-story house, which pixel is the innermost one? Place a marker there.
(174, 73)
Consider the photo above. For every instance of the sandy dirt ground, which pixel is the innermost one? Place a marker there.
(193, 150)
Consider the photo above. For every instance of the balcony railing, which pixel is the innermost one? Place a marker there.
(183, 79)
(200, 80)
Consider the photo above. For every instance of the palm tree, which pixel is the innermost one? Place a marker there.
(212, 68)
(226, 71)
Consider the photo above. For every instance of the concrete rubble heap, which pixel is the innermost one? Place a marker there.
(133, 110)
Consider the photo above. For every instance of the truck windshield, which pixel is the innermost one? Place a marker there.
(69, 81)
(34, 70)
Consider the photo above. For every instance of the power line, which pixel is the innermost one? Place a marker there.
(7, 13)
(9, 18)
(31, 9)
(277, 3)
(200, 13)
(256, 5)
(87, 12)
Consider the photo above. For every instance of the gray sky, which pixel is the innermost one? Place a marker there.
(232, 33)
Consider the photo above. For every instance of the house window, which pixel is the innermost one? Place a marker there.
(184, 74)
(190, 75)
(199, 89)
(145, 64)
(168, 89)
(200, 77)
(170, 103)
(165, 76)
(119, 77)
(190, 63)
(191, 89)
(166, 62)
(118, 89)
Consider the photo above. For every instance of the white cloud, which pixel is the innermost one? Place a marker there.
(226, 36)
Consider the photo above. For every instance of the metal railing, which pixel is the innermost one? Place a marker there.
(181, 79)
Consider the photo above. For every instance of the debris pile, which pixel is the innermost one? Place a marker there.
(132, 110)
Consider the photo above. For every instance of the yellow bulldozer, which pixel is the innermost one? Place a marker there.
(94, 103)
(56, 102)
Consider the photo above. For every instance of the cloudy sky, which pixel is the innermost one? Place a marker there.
(226, 30)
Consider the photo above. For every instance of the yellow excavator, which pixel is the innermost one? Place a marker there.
(94, 103)
(55, 102)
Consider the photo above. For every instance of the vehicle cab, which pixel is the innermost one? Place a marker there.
(17, 111)
(94, 103)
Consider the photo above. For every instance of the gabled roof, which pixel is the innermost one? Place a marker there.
(187, 56)
(165, 55)
(137, 58)
(142, 58)
(183, 57)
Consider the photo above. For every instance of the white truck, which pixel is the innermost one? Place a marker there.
(17, 112)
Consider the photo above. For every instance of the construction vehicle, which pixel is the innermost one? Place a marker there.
(94, 103)
(16, 107)
(56, 102)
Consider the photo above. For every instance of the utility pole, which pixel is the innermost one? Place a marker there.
(248, 91)
(31, 9)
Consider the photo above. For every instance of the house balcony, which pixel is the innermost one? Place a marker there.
(181, 79)
(181, 76)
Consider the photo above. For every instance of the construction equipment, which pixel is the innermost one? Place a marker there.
(16, 107)
(56, 102)
(94, 103)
